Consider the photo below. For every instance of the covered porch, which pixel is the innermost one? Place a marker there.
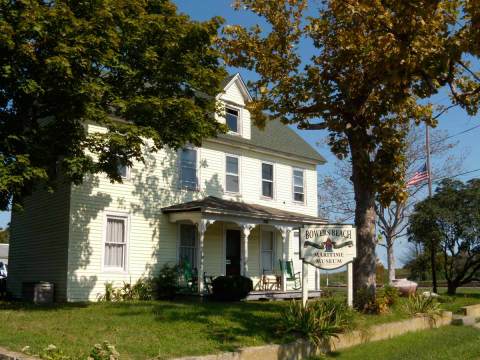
(225, 237)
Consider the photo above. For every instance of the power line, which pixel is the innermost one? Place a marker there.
(457, 134)
(456, 175)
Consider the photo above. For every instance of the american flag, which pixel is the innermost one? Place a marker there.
(420, 175)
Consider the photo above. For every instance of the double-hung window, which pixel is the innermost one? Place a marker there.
(188, 168)
(122, 170)
(232, 179)
(267, 180)
(268, 241)
(298, 185)
(116, 243)
(188, 245)
(231, 119)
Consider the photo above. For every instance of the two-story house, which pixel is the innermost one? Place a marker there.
(231, 206)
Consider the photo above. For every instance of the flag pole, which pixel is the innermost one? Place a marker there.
(429, 171)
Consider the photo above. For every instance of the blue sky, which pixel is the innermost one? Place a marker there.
(454, 122)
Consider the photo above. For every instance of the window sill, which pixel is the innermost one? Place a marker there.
(112, 270)
(302, 203)
(267, 198)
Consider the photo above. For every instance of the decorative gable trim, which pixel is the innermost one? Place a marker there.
(237, 79)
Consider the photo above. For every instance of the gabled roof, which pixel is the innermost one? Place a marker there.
(236, 78)
(214, 205)
(278, 138)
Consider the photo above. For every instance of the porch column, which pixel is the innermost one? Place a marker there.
(285, 231)
(201, 227)
(246, 228)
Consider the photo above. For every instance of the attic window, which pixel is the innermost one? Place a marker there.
(232, 119)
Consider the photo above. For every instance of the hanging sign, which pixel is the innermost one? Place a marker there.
(328, 246)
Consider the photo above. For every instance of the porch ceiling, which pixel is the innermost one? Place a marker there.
(212, 205)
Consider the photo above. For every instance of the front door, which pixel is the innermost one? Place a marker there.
(232, 261)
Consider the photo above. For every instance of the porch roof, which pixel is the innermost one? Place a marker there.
(216, 206)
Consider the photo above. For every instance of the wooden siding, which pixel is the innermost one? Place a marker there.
(39, 242)
(152, 240)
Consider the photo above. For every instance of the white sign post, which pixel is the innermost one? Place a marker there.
(328, 247)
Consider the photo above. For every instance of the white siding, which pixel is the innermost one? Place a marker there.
(39, 242)
(233, 96)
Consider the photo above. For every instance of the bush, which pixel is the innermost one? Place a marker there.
(390, 294)
(166, 283)
(231, 288)
(141, 290)
(419, 305)
(105, 351)
(380, 305)
(318, 321)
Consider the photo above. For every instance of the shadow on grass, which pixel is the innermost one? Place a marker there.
(29, 306)
(227, 323)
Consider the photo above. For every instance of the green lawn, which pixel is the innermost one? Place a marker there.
(141, 330)
(446, 343)
(162, 329)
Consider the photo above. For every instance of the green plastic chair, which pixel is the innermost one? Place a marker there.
(188, 275)
(295, 277)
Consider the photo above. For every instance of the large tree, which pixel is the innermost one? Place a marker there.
(450, 223)
(137, 67)
(372, 61)
(336, 189)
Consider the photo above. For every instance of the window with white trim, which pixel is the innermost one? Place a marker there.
(268, 242)
(232, 178)
(232, 119)
(116, 243)
(123, 171)
(267, 180)
(298, 185)
(188, 245)
(188, 168)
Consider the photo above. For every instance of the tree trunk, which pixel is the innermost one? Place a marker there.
(390, 259)
(365, 218)
(451, 287)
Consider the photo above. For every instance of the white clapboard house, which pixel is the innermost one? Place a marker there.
(231, 206)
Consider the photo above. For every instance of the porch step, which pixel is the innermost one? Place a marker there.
(280, 295)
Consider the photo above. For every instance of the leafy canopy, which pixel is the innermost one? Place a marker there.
(372, 62)
(137, 67)
(450, 221)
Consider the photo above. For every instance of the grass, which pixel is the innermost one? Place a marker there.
(446, 343)
(164, 329)
(141, 330)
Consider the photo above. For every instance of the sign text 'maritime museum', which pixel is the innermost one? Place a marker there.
(328, 246)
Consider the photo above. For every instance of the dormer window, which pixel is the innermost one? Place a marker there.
(232, 119)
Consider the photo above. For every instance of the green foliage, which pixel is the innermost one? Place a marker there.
(450, 222)
(4, 235)
(390, 294)
(166, 283)
(104, 351)
(419, 305)
(339, 88)
(318, 321)
(231, 288)
(67, 63)
(141, 290)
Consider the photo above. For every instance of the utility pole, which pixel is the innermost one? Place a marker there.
(432, 242)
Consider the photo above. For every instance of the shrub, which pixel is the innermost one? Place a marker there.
(141, 290)
(105, 351)
(390, 294)
(318, 321)
(365, 304)
(419, 305)
(166, 283)
(231, 288)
